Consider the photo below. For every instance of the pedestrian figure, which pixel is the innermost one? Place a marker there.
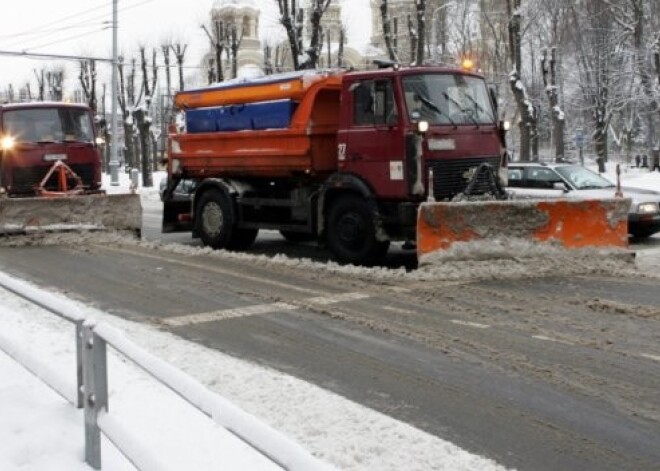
(638, 160)
(645, 161)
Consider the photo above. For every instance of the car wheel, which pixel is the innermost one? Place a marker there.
(351, 232)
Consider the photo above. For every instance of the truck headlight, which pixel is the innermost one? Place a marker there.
(422, 127)
(647, 208)
(7, 143)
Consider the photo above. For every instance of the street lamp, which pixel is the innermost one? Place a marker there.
(434, 39)
(114, 161)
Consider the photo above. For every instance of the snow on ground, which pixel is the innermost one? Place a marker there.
(39, 430)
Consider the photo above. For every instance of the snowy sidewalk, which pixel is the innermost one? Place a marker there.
(39, 430)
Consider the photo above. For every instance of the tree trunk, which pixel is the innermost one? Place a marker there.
(548, 67)
(387, 32)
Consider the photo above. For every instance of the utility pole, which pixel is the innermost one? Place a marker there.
(114, 161)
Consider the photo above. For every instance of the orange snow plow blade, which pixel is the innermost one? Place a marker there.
(441, 227)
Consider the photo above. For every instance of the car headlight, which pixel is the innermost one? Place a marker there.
(646, 208)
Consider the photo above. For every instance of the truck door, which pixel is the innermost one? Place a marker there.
(375, 147)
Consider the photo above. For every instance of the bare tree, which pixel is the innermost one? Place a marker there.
(387, 31)
(41, 84)
(141, 114)
(87, 78)
(235, 40)
(421, 31)
(292, 17)
(549, 70)
(218, 39)
(340, 50)
(55, 81)
(602, 69)
(528, 114)
(180, 54)
(125, 96)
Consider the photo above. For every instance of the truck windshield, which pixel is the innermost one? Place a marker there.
(448, 99)
(48, 125)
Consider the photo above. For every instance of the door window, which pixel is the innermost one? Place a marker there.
(541, 177)
(373, 103)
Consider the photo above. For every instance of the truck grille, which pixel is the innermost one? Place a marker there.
(449, 175)
(24, 180)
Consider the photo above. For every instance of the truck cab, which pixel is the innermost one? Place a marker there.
(34, 136)
(380, 140)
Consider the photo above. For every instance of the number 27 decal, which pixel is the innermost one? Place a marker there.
(341, 151)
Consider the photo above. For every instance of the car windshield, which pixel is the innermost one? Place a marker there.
(582, 178)
(448, 99)
(48, 124)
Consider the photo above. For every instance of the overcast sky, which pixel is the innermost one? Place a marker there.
(81, 27)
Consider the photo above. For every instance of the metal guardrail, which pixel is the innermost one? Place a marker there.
(92, 340)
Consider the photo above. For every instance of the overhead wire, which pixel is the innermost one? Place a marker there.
(83, 20)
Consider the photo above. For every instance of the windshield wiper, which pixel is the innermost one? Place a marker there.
(476, 103)
(460, 107)
(434, 107)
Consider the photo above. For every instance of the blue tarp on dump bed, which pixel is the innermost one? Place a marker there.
(263, 115)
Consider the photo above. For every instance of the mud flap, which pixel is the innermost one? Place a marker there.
(519, 225)
(122, 212)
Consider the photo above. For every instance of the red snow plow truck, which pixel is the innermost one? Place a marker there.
(357, 160)
(50, 173)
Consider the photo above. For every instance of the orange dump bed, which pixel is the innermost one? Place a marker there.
(308, 146)
(291, 86)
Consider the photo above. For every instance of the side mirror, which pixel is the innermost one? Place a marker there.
(560, 186)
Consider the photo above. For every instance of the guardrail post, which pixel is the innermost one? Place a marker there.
(95, 377)
(80, 396)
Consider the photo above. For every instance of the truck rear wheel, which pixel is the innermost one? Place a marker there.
(215, 219)
(351, 232)
(217, 224)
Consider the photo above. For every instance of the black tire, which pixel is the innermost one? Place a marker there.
(215, 219)
(242, 239)
(297, 236)
(351, 232)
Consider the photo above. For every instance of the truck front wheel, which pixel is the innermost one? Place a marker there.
(351, 232)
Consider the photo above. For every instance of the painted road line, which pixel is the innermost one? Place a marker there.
(398, 310)
(470, 324)
(255, 310)
(228, 314)
(336, 298)
(550, 339)
(650, 357)
(214, 269)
